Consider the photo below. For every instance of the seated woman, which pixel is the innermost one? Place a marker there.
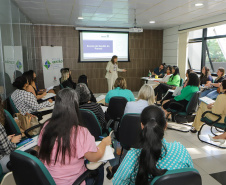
(119, 90)
(205, 78)
(159, 71)
(164, 87)
(64, 143)
(85, 103)
(29, 75)
(186, 94)
(66, 80)
(7, 143)
(25, 101)
(168, 74)
(146, 97)
(153, 154)
(84, 79)
(219, 107)
(169, 95)
(212, 91)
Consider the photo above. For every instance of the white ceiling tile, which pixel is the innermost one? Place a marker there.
(119, 13)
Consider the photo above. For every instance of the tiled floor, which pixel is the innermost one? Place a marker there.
(207, 159)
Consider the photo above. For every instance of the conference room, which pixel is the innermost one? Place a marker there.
(112, 92)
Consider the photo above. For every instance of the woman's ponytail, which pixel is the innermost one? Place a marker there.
(154, 123)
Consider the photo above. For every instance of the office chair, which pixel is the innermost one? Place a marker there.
(116, 110)
(185, 176)
(91, 123)
(128, 131)
(12, 106)
(11, 126)
(28, 169)
(212, 124)
(191, 108)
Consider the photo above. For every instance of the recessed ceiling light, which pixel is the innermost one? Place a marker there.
(152, 22)
(80, 18)
(199, 4)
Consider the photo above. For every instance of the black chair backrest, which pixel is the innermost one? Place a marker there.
(116, 107)
(185, 178)
(10, 125)
(129, 130)
(193, 103)
(91, 122)
(28, 169)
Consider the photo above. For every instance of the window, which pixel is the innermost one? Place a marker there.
(207, 47)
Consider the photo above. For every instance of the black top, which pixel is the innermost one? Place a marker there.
(92, 99)
(69, 83)
(219, 79)
(204, 79)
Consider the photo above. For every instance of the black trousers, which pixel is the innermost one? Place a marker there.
(168, 96)
(160, 89)
(175, 106)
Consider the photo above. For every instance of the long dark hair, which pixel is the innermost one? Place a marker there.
(154, 122)
(29, 76)
(83, 79)
(207, 72)
(65, 120)
(177, 72)
(193, 80)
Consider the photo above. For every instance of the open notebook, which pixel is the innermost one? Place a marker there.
(101, 97)
(108, 155)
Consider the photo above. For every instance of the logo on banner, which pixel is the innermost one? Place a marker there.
(47, 64)
(18, 64)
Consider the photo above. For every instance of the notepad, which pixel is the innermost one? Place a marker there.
(50, 107)
(49, 88)
(27, 144)
(206, 100)
(48, 95)
(101, 97)
(108, 154)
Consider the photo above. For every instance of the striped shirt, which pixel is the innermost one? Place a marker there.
(175, 157)
(26, 102)
(6, 146)
(97, 110)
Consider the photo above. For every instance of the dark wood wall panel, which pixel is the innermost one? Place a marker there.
(145, 51)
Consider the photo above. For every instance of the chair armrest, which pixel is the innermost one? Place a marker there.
(109, 123)
(209, 112)
(31, 128)
(85, 175)
(177, 105)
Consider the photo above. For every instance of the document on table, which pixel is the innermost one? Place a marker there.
(206, 100)
(51, 107)
(108, 155)
(49, 88)
(27, 144)
(101, 97)
(48, 95)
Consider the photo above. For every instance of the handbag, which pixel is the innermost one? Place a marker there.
(27, 121)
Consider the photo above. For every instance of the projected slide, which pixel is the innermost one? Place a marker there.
(101, 46)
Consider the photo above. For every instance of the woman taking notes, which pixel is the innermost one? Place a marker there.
(112, 71)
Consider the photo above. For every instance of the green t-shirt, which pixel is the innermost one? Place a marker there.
(187, 93)
(174, 80)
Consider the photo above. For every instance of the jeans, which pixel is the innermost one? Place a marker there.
(99, 180)
(210, 93)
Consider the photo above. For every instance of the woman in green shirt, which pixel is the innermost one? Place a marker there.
(186, 94)
(164, 87)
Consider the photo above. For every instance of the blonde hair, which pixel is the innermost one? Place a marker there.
(64, 75)
(120, 82)
(146, 92)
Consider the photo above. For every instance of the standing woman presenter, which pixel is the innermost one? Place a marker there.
(112, 71)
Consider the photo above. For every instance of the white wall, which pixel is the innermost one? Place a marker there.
(170, 46)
